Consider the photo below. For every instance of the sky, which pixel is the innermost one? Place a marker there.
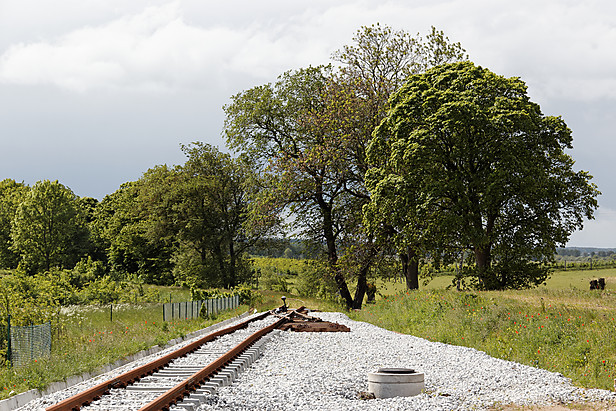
(93, 93)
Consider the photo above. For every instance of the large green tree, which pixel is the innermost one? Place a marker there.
(308, 133)
(477, 165)
(11, 195)
(48, 229)
(212, 209)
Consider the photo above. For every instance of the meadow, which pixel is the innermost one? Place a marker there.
(561, 326)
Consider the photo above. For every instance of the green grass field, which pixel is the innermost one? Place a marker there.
(559, 280)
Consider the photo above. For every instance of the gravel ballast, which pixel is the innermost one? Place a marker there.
(328, 371)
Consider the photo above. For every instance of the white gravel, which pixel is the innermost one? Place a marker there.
(327, 371)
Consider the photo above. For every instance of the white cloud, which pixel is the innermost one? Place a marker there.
(561, 49)
(154, 49)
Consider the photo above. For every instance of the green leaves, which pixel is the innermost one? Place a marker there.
(487, 171)
(48, 229)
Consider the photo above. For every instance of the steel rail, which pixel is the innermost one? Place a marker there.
(130, 377)
(192, 383)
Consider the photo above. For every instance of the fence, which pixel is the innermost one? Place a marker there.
(27, 343)
(191, 309)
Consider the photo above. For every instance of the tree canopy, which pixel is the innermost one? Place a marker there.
(399, 153)
(11, 195)
(309, 132)
(48, 229)
(475, 165)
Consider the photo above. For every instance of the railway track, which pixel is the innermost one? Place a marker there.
(184, 378)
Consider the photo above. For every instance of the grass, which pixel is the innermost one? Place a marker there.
(561, 327)
(543, 330)
(558, 280)
(87, 339)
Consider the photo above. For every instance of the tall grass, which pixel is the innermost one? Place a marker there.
(545, 331)
(89, 338)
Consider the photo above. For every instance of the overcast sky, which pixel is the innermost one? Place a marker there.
(95, 92)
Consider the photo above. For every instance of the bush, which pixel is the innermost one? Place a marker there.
(101, 291)
(511, 275)
(316, 281)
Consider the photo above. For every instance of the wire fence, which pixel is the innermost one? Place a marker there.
(28, 343)
(21, 345)
(192, 309)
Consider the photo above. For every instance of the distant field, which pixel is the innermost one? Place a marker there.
(559, 280)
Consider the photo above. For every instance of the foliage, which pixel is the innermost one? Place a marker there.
(29, 299)
(202, 208)
(246, 294)
(11, 195)
(316, 281)
(475, 164)
(48, 230)
(308, 133)
(121, 226)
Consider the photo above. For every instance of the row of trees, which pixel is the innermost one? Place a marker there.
(402, 151)
(186, 224)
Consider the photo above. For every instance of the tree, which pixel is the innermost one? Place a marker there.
(201, 211)
(213, 207)
(308, 133)
(122, 227)
(489, 171)
(11, 195)
(48, 230)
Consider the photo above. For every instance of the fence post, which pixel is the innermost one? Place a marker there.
(8, 344)
(111, 312)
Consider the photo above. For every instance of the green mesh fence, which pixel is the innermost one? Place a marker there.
(29, 343)
(190, 309)
(3, 341)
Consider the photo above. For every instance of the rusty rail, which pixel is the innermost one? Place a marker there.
(129, 377)
(177, 393)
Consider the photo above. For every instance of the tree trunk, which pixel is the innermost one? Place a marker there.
(482, 260)
(483, 251)
(362, 287)
(221, 265)
(232, 268)
(410, 268)
(332, 253)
